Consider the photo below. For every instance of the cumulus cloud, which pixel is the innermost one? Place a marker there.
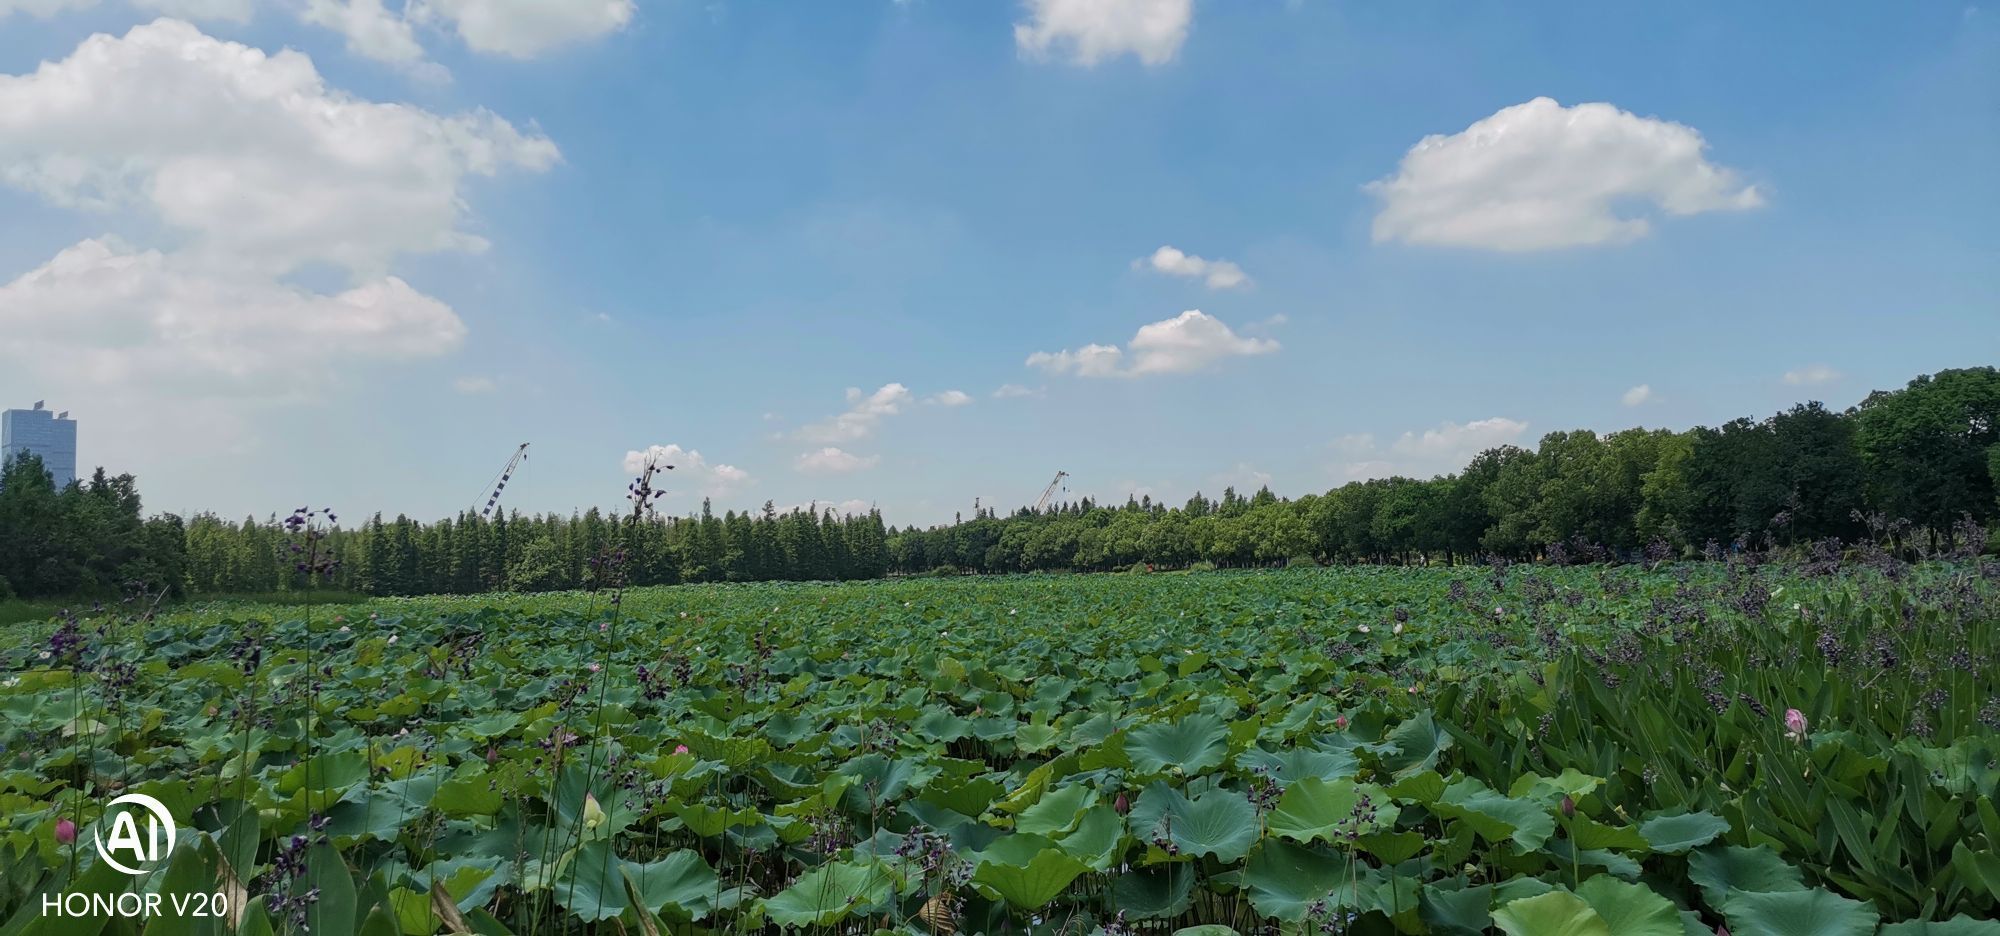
(1539, 175)
(951, 398)
(1813, 375)
(689, 468)
(865, 411)
(470, 385)
(1086, 32)
(1441, 450)
(831, 460)
(1638, 395)
(1183, 344)
(1452, 439)
(257, 169)
(1012, 390)
(247, 153)
(524, 28)
(1218, 274)
(106, 314)
(372, 31)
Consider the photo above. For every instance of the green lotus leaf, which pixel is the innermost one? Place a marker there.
(1191, 746)
(1799, 913)
(1556, 913)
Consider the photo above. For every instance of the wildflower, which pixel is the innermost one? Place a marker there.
(65, 832)
(1795, 724)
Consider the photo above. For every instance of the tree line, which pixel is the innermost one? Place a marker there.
(1918, 466)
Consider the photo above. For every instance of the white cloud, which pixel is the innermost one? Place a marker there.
(689, 468)
(864, 413)
(257, 169)
(1089, 31)
(1812, 376)
(101, 313)
(1539, 175)
(371, 30)
(1185, 343)
(251, 155)
(524, 28)
(1009, 391)
(1218, 274)
(1457, 443)
(1442, 450)
(474, 385)
(951, 398)
(831, 460)
(1638, 395)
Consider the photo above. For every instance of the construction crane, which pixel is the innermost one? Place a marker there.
(1050, 491)
(500, 484)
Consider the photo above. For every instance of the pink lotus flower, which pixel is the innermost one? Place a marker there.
(1795, 724)
(680, 749)
(1340, 723)
(65, 831)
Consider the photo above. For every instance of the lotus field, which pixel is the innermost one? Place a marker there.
(1769, 748)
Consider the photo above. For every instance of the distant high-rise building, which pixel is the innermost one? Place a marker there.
(40, 432)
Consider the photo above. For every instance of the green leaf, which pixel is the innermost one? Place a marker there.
(1496, 817)
(1033, 884)
(1314, 810)
(1960, 925)
(1462, 911)
(1556, 913)
(1284, 879)
(829, 893)
(1057, 811)
(1191, 746)
(1154, 893)
(1630, 909)
(1718, 870)
(1678, 832)
(335, 912)
(1419, 741)
(1799, 913)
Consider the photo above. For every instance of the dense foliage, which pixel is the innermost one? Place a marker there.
(1781, 749)
(1915, 467)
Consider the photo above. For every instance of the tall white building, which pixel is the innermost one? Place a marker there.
(40, 432)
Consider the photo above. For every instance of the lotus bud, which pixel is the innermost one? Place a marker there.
(1569, 807)
(65, 832)
(1121, 804)
(593, 814)
(1340, 723)
(1795, 724)
(680, 749)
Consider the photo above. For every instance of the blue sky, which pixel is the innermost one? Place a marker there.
(257, 283)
